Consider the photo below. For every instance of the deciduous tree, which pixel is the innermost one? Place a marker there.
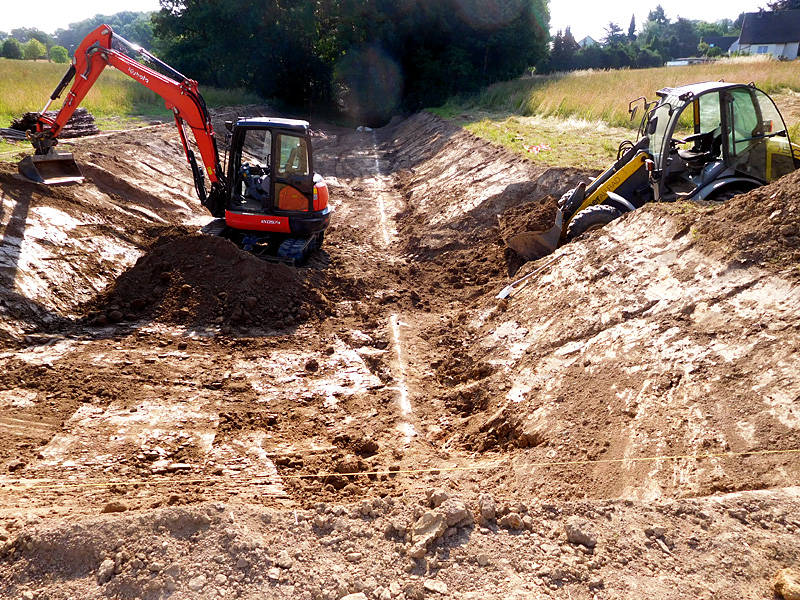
(12, 49)
(33, 49)
(59, 54)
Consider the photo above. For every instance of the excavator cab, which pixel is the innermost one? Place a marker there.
(277, 206)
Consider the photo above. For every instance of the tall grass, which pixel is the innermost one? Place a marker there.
(25, 86)
(604, 95)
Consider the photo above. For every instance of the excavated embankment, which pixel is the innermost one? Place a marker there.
(182, 420)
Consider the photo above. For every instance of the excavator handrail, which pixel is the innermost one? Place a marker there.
(92, 56)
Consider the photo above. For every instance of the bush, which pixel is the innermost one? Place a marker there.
(12, 49)
(33, 49)
(59, 54)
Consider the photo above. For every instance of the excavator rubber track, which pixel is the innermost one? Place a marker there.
(294, 251)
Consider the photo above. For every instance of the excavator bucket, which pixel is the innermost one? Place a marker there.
(51, 168)
(533, 245)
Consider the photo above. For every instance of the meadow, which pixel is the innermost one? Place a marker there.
(579, 118)
(25, 86)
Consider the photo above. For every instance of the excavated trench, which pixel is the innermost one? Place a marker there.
(376, 422)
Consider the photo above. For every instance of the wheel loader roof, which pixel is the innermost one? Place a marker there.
(695, 89)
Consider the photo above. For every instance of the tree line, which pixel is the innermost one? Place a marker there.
(369, 58)
(659, 40)
(362, 58)
(33, 44)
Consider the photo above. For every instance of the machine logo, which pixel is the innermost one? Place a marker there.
(136, 74)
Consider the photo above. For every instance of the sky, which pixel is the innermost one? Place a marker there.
(49, 15)
(584, 17)
(591, 17)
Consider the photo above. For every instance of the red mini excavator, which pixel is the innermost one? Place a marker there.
(269, 202)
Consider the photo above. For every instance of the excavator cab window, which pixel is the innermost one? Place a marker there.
(293, 172)
(251, 189)
(293, 155)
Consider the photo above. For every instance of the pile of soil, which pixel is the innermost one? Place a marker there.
(531, 216)
(201, 280)
(79, 125)
(762, 226)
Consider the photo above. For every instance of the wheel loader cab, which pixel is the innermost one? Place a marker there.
(706, 136)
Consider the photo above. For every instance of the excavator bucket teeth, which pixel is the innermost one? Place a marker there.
(533, 245)
(51, 168)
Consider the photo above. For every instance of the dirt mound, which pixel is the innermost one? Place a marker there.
(202, 280)
(531, 216)
(761, 226)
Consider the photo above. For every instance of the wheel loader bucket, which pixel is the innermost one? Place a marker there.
(533, 245)
(51, 168)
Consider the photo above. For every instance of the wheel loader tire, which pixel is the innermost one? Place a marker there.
(591, 218)
(726, 193)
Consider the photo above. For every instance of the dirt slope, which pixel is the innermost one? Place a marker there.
(182, 420)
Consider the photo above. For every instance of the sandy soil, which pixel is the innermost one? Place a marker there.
(182, 420)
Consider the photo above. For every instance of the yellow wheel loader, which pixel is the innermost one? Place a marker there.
(704, 141)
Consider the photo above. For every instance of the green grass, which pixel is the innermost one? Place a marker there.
(605, 95)
(583, 116)
(560, 142)
(25, 86)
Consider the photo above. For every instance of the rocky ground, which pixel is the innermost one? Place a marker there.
(183, 420)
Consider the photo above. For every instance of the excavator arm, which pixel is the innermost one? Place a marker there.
(93, 55)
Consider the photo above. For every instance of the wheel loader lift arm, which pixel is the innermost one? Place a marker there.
(183, 98)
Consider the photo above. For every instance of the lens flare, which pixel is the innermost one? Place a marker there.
(370, 85)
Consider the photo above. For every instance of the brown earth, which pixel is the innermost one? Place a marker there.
(183, 420)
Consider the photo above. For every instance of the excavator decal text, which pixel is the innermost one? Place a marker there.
(135, 73)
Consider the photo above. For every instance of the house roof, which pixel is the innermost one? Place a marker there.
(771, 27)
(724, 42)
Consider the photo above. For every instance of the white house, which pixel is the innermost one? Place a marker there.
(775, 33)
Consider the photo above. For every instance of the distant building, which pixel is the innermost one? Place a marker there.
(683, 62)
(775, 33)
(722, 42)
(588, 41)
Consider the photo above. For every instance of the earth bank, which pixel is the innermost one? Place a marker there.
(186, 421)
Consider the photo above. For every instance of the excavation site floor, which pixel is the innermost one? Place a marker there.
(182, 420)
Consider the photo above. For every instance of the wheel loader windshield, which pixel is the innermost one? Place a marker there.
(757, 140)
(659, 132)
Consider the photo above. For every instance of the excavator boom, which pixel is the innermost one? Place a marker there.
(92, 56)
